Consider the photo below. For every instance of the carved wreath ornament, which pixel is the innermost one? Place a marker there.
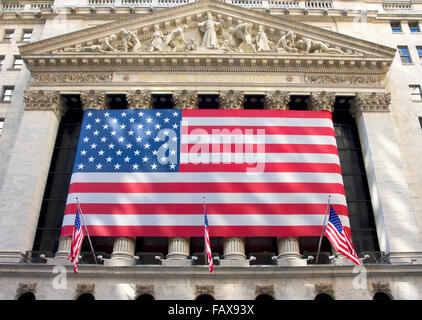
(207, 35)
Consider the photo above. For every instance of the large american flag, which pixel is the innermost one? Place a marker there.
(265, 173)
(339, 238)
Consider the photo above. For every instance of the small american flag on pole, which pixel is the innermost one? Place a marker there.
(207, 241)
(338, 237)
(77, 237)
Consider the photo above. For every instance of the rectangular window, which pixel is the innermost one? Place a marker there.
(414, 27)
(17, 64)
(1, 124)
(7, 94)
(395, 26)
(415, 91)
(419, 49)
(1, 61)
(404, 54)
(27, 35)
(8, 35)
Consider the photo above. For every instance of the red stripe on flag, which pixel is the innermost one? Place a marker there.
(264, 167)
(256, 113)
(270, 130)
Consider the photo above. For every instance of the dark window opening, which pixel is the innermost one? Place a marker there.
(323, 297)
(395, 26)
(117, 101)
(86, 297)
(27, 296)
(414, 27)
(162, 101)
(205, 297)
(298, 103)
(264, 297)
(254, 102)
(381, 296)
(145, 297)
(208, 101)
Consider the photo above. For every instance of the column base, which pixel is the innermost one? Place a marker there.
(119, 262)
(174, 262)
(234, 263)
(291, 261)
(403, 258)
(13, 257)
(59, 261)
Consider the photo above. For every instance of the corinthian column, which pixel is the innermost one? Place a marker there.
(231, 100)
(139, 99)
(321, 101)
(185, 99)
(123, 252)
(93, 100)
(29, 163)
(178, 251)
(277, 100)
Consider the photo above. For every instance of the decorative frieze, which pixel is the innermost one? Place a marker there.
(231, 100)
(265, 289)
(372, 102)
(353, 79)
(93, 100)
(381, 287)
(185, 99)
(139, 99)
(72, 77)
(204, 289)
(321, 101)
(85, 288)
(326, 288)
(277, 100)
(44, 101)
(145, 289)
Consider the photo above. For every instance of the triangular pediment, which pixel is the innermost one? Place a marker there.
(205, 30)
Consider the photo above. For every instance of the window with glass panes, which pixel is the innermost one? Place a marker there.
(395, 26)
(1, 124)
(404, 54)
(415, 91)
(26, 35)
(414, 27)
(18, 62)
(7, 93)
(8, 34)
(1, 61)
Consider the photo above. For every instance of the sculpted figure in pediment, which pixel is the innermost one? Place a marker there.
(105, 46)
(157, 39)
(307, 45)
(242, 36)
(287, 43)
(174, 37)
(262, 42)
(129, 41)
(209, 27)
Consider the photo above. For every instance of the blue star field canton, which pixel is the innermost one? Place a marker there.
(129, 141)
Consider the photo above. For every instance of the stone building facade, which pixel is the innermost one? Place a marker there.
(359, 60)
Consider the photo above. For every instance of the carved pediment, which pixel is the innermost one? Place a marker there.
(197, 33)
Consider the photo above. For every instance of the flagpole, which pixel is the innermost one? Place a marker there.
(89, 239)
(205, 244)
(323, 228)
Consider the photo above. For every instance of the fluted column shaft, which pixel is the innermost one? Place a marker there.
(178, 248)
(288, 252)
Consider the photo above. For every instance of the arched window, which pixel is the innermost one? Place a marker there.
(323, 297)
(86, 297)
(205, 297)
(382, 296)
(263, 297)
(27, 296)
(145, 297)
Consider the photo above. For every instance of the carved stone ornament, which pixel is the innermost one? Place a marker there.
(342, 79)
(26, 287)
(372, 102)
(148, 289)
(326, 288)
(231, 100)
(45, 101)
(381, 287)
(185, 99)
(204, 289)
(277, 100)
(72, 77)
(264, 289)
(85, 288)
(139, 99)
(321, 101)
(93, 100)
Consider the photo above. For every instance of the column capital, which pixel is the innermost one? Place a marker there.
(93, 100)
(44, 101)
(231, 99)
(321, 101)
(185, 99)
(139, 99)
(370, 102)
(277, 100)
